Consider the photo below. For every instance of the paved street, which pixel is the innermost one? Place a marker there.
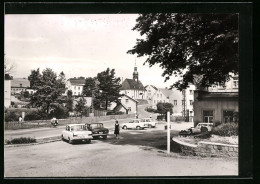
(136, 153)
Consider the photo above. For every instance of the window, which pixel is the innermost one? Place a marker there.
(228, 116)
(175, 102)
(191, 92)
(149, 90)
(208, 116)
(191, 102)
(129, 109)
(126, 100)
(78, 93)
(154, 101)
(161, 95)
(157, 95)
(182, 102)
(21, 85)
(74, 93)
(190, 112)
(149, 94)
(75, 87)
(183, 92)
(78, 88)
(235, 84)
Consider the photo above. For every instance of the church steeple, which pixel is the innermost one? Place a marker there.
(135, 74)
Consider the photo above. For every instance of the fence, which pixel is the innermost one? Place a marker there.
(71, 120)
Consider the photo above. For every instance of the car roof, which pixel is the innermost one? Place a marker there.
(75, 124)
(93, 123)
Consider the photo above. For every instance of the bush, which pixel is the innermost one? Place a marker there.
(35, 115)
(179, 118)
(227, 129)
(59, 112)
(12, 116)
(151, 110)
(115, 113)
(21, 140)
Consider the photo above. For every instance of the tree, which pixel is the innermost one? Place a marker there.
(80, 106)
(89, 86)
(9, 67)
(108, 87)
(35, 78)
(69, 103)
(185, 45)
(163, 108)
(48, 89)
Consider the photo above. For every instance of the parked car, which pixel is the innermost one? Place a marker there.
(151, 123)
(135, 124)
(201, 127)
(98, 130)
(76, 132)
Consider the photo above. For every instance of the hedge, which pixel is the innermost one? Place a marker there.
(226, 129)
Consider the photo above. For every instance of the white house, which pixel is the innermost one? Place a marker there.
(75, 85)
(125, 104)
(19, 84)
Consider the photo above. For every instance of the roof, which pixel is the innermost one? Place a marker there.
(166, 92)
(74, 81)
(132, 84)
(152, 86)
(131, 98)
(75, 124)
(20, 82)
(207, 95)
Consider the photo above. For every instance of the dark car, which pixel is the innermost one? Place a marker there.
(98, 130)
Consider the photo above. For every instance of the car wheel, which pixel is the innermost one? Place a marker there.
(105, 137)
(149, 126)
(138, 127)
(70, 141)
(124, 127)
(88, 141)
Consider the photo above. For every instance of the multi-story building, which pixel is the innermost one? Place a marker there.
(133, 87)
(19, 84)
(75, 85)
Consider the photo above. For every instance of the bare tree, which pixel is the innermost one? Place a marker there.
(9, 67)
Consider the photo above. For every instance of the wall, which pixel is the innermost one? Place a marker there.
(218, 105)
(132, 104)
(207, 149)
(46, 123)
(7, 93)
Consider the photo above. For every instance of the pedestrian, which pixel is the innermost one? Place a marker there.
(116, 132)
(150, 116)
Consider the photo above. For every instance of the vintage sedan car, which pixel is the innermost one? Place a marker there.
(201, 127)
(76, 132)
(98, 130)
(135, 124)
(151, 123)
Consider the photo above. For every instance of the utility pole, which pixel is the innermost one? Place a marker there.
(168, 133)
(184, 105)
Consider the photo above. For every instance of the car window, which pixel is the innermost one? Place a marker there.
(142, 120)
(147, 120)
(78, 128)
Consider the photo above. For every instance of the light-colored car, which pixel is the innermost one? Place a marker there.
(150, 122)
(76, 132)
(201, 127)
(135, 124)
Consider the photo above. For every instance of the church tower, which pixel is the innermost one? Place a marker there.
(135, 74)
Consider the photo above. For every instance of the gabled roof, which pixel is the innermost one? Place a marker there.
(166, 92)
(152, 86)
(132, 84)
(74, 81)
(130, 98)
(20, 82)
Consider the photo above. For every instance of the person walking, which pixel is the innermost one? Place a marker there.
(116, 132)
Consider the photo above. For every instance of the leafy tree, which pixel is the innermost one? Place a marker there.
(163, 108)
(69, 103)
(80, 106)
(48, 89)
(35, 78)
(108, 88)
(89, 86)
(190, 44)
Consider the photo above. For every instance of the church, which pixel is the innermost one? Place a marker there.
(133, 87)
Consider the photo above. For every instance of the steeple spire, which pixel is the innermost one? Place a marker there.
(135, 74)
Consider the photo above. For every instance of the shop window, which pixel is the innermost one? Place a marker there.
(175, 102)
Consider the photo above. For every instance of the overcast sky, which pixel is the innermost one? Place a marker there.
(78, 45)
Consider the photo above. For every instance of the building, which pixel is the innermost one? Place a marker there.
(214, 107)
(161, 95)
(217, 103)
(126, 104)
(75, 85)
(7, 91)
(150, 91)
(19, 85)
(133, 87)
